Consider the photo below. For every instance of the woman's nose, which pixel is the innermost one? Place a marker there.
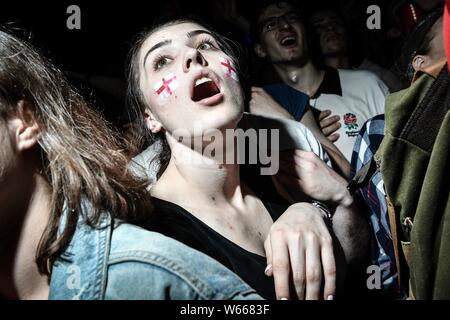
(194, 57)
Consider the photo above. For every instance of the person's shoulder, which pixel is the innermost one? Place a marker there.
(362, 79)
(157, 267)
(359, 75)
(143, 165)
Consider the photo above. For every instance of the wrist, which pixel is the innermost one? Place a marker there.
(345, 199)
(341, 196)
(324, 209)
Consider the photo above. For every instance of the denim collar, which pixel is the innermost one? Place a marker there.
(81, 272)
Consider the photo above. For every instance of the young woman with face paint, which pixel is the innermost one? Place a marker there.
(184, 81)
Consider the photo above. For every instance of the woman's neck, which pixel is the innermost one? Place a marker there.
(193, 177)
(19, 274)
(213, 193)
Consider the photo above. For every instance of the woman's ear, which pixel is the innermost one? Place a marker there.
(150, 121)
(419, 62)
(25, 127)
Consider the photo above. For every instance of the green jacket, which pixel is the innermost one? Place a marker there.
(414, 159)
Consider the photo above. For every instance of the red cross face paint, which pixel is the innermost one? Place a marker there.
(166, 87)
(228, 69)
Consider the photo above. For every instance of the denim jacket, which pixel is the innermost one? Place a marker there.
(128, 262)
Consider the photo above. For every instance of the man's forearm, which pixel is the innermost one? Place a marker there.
(352, 230)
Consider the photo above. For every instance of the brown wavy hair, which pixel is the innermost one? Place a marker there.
(82, 158)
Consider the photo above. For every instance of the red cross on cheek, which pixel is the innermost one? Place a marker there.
(163, 86)
(230, 71)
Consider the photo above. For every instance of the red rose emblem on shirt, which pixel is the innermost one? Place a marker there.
(350, 121)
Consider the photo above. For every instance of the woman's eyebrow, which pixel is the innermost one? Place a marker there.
(197, 32)
(156, 46)
(167, 42)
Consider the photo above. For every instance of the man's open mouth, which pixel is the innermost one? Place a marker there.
(204, 88)
(288, 41)
(333, 37)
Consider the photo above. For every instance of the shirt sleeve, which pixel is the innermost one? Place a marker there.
(294, 101)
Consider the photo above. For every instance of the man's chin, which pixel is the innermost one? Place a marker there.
(299, 59)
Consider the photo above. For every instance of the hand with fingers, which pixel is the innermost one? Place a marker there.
(329, 125)
(300, 257)
(263, 104)
(304, 173)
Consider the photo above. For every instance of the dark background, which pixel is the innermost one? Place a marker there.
(99, 49)
(107, 27)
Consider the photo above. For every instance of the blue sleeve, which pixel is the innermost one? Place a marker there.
(294, 101)
(165, 280)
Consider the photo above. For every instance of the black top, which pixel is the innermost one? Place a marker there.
(177, 223)
(331, 83)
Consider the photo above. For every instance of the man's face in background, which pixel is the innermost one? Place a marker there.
(331, 33)
(282, 35)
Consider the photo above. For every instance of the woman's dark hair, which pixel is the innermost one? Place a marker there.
(82, 159)
(135, 101)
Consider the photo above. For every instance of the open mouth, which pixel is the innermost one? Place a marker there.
(333, 37)
(288, 41)
(204, 88)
